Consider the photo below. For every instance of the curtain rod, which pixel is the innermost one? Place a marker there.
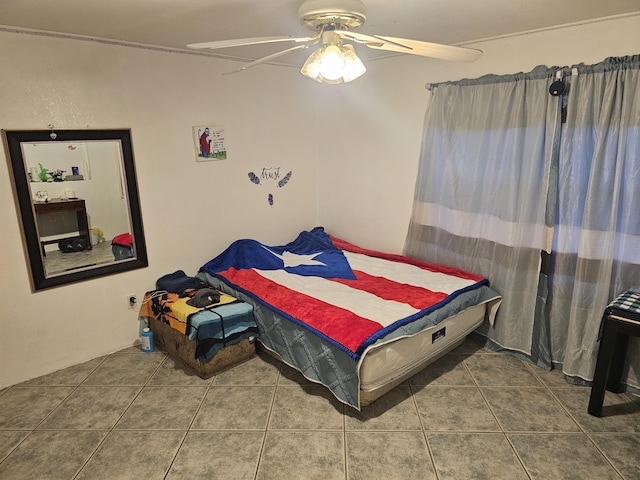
(560, 73)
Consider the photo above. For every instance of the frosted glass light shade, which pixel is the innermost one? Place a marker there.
(333, 63)
(353, 66)
(311, 67)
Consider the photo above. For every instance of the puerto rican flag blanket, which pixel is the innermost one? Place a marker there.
(347, 295)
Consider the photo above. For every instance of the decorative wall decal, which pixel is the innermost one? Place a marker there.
(254, 178)
(284, 181)
(267, 175)
(209, 143)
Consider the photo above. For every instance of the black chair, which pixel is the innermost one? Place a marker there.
(621, 319)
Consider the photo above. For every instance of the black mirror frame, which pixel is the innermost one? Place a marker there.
(13, 140)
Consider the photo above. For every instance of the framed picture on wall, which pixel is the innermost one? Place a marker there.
(209, 143)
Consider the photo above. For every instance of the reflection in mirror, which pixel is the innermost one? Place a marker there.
(78, 200)
(84, 207)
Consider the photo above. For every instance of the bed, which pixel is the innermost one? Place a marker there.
(358, 321)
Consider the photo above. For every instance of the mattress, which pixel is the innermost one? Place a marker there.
(385, 366)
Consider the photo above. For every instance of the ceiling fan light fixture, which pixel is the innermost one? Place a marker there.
(333, 63)
(333, 22)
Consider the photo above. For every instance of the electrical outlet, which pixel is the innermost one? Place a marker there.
(132, 301)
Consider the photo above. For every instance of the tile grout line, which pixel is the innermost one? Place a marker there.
(557, 400)
(75, 389)
(583, 431)
(423, 430)
(110, 430)
(193, 419)
(268, 421)
(606, 457)
(502, 430)
(35, 428)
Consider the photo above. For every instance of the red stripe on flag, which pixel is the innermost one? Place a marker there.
(432, 267)
(418, 297)
(339, 324)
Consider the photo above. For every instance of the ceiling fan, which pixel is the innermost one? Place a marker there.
(336, 61)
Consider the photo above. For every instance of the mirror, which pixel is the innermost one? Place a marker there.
(78, 200)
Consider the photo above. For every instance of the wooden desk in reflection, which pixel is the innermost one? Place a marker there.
(60, 207)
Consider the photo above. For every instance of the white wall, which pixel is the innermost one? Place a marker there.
(353, 150)
(371, 129)
(191, 211)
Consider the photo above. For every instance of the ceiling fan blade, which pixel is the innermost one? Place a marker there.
(267, 58)
(414, 47)
(249, 41)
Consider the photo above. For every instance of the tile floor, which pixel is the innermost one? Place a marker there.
(55, 261)
(474, 414)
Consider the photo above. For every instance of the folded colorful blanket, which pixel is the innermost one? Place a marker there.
(224, 323)
(173, 309)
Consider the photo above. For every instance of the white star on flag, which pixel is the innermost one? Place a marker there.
(290, 259)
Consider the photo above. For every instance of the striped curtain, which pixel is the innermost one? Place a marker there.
(504, 184)
(481, 196)
(596, 253)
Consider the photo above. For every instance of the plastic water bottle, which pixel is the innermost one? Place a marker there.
(146, 338)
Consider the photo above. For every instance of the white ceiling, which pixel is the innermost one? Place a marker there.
(175, 23)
